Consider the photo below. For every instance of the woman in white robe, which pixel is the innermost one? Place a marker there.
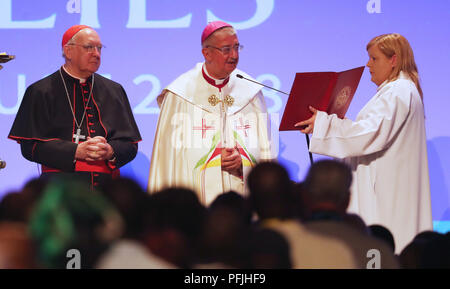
(385, 146)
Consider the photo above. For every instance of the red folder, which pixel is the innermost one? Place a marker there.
(326, 91)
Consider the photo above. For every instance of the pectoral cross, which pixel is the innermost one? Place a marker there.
(78, 136)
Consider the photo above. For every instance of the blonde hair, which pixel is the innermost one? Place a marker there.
(395, 44)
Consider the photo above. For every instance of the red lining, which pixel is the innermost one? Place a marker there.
(100, 117)
(74, 112)
(32, 150)
(213, 82)
(31, 138)
(85, 110)
(83, 166)
(52, 139)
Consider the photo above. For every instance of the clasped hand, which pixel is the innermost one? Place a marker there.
(231, 161)
(94, 149)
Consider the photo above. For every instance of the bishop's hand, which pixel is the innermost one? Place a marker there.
(231, 161)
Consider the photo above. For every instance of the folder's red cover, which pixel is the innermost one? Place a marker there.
(327, 91)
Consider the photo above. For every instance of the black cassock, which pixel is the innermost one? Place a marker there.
(44, 125)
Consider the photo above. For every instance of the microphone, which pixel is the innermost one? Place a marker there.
(242, 77)
(306, 135)
(2, 164)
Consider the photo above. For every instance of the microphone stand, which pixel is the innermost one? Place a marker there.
(306, 135)
(5, 58)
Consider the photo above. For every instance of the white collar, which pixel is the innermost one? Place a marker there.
(218, 81)
(82, 80)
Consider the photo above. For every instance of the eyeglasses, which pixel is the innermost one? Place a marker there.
(227, 49)
(89, 48)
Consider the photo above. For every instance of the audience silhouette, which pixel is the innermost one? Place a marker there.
(278, 225)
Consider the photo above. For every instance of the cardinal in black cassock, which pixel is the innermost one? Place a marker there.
(75, 121)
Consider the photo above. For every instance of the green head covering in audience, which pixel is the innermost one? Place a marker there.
(71, 216)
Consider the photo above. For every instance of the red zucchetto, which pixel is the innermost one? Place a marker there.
(211, 27)
(71, 32)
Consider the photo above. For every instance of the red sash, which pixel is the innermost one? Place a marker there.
(83, 166)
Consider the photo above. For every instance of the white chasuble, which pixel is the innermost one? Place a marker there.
(387, 151)
(191, 133)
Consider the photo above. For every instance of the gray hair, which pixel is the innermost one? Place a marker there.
(71, 41)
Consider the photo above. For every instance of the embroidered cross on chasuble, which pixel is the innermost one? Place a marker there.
(243, 127)
(203, 128)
